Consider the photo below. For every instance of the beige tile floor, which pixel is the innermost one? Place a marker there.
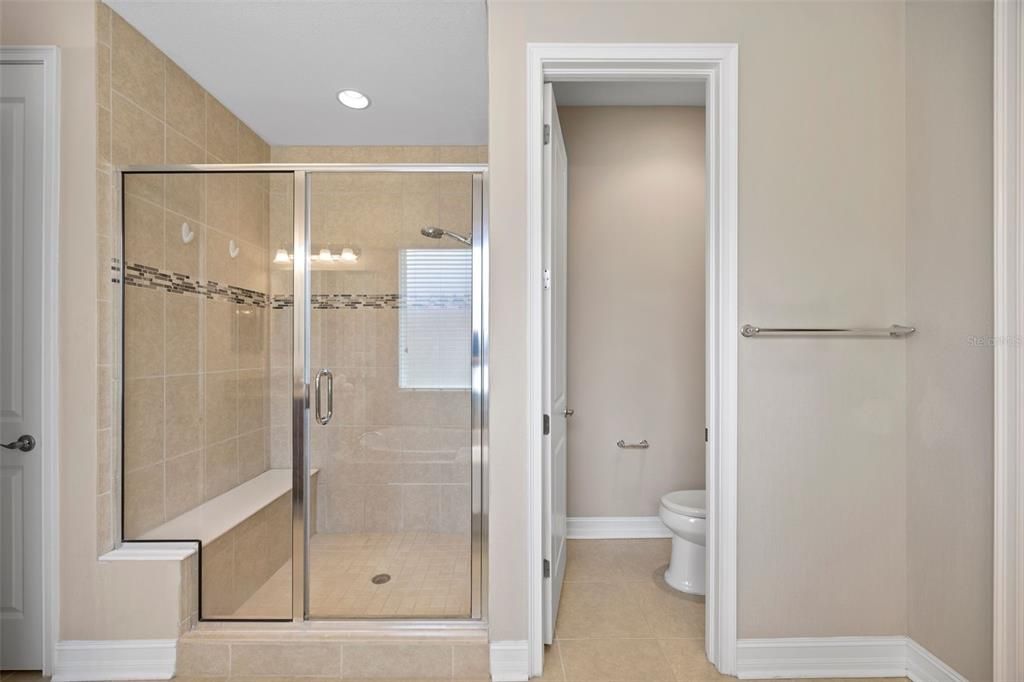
(429, 578)
(619, 621)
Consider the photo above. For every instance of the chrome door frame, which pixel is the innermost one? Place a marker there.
(302, 199)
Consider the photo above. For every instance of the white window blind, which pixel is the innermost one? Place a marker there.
(435, 318)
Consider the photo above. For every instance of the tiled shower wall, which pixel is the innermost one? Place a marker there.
(196, 365)
(391, 460)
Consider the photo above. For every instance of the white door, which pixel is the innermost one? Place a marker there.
(556, 189)
(21, 341)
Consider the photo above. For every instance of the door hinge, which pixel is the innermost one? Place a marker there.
(705, 434)
(547, 279)
(547, 133)
(547, 425)
(547, 568)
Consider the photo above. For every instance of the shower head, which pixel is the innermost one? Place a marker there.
(437, 233)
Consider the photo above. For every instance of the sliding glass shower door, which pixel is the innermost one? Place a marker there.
(311, 340)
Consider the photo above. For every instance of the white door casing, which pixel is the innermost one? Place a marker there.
(717, 66)
(555, 233)
(22, 211)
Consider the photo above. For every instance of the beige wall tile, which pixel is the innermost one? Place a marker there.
(103, 19)
(144, 233)
(184, 483)
(144, 332)
(221, 335)
(221, 406)
(104, 452)
(252, 337)
(217, 578)
(397, 660)
(220, 267)
(137, 67)
(421, 507)
(103, 88)
(104, 133)
(186, 105)
(143, 499)
(104, 332)
(182, 422)
(252, 454)
(138, 137)
(179, 257)
(221, 468)
(222, 202)
(252, 387)
(221, 131)
(104, 198)
(143, 422)
(181, 336)
(104, 397)
(185, 191)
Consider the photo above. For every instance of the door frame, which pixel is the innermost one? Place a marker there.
(1008, 260)
(48, 56)
(717, 65)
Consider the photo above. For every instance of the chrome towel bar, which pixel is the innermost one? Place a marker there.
(642, 445)
(894, 331)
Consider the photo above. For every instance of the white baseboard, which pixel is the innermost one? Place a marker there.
(615, 527)
(126, 659)
(924, 666)
(510, 661)
(843, 657)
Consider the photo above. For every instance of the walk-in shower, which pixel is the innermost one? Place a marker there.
(303, 384)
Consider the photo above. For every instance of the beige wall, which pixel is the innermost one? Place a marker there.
(822, 422)
(636, 305)
(949, 362)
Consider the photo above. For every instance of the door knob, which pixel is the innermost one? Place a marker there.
(25, 444)
(568, 413)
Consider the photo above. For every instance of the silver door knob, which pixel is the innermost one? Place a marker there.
(568, 413)
(25, 444)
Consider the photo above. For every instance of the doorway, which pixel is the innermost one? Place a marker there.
(714, 68)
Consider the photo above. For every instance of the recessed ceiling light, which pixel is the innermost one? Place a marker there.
(353, 99)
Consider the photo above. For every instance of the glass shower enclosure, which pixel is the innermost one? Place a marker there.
(303, 384)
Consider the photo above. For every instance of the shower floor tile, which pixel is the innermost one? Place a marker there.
(428, 577)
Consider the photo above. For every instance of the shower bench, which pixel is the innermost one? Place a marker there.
(245, 537)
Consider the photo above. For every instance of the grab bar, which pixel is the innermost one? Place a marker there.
(642, 445)
(893, 331)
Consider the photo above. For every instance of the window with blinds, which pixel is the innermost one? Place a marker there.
(435, 318)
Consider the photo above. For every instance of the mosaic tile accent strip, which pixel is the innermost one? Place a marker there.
(146, 277)
(373, 302)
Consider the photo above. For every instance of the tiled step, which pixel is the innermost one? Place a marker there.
(333, 654)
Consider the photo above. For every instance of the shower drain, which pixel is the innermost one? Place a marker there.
(380, 578)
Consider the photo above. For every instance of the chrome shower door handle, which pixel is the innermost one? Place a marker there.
(322, 419)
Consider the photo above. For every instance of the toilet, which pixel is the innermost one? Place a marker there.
(684, 513)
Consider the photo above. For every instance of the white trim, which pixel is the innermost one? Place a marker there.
(616, 527)
(126, 659)
(151, 551)
(716, 65)
(1008, 219)
(509, 661)
(840, 657)
(924, 666)
(49, 442)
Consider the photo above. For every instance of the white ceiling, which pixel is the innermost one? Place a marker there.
(603, 94)
(278, 65)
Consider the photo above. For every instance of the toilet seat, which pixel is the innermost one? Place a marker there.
(686, 502)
